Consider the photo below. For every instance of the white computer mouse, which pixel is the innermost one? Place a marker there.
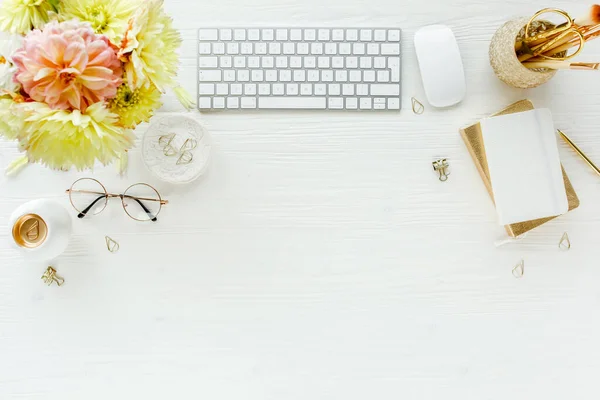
(441, 65)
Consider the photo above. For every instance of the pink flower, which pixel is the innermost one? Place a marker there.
(68, 66)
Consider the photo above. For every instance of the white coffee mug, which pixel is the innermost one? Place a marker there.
(41, 229)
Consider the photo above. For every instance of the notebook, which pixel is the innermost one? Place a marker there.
(473, 138)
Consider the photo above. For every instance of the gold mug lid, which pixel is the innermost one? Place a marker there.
(30, 231)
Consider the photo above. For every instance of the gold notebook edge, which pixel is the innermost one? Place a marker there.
(480, 161)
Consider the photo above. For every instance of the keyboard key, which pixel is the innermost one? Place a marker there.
(337, 35)
(289, 48)
(323, 62)
(323, 35)
(302, 48)
(236, 88)
(229, 75)
(219, 102)
(336, 103)
(348, 89)
(250, 89)
(233, 102)
(253, 62)
(320, 89)
(206, 89)
(369, 76)
(373, 49)
(267, 62)
(219, 48)
(383, 76)
(207, 35)
(352, 103)
(260, 48)
(355, 76)
(313, 75)
(345, 48)
(239, 34)
(300, 75)
(271, 75)
(268, 34)
(379, 35)
(327, 75)
(264, 89)
(394, 103)
(285, 75)
(204, 48)
(246, 48)
(204, 102)
(207, 62)
(253, 34)
(352, 35)
(362, 90)
(341, 76)
(243, 75)
(337, 62)
(281, 34)
(239, 62)
(278, 88)
(209, 76)
(295, 62)
(225, 34)
(281, 62)
(394, 66)
(292, 102)
(316, 48)
(233, 48)
(330, 48)
(390, 49)
(275, 48)
(257, 75)
(366, 62)
(385, 90)
(366, 35)
(291, 89)
(358, 49)
(295, 34)
(334, 89)
(365, 103)
(222, 89)
(306, 89)
(379, 100)
(248, 102)
(379, 62)
(310, 35)
(394, 35)
(352, 62)
(310, 62)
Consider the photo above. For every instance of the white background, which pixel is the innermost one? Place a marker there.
(321, 258)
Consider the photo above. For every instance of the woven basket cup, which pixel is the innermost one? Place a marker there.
(504, 59)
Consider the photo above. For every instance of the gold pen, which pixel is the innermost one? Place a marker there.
(578, 151)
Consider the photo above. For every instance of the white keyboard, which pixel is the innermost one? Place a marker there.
(299, 68)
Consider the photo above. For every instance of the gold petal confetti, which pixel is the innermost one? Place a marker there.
(519, 269)
(50, 277)
(565, 242)
(111, 245)
(417, 107)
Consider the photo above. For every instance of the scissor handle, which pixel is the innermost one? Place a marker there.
(550, 44)
(542, 35)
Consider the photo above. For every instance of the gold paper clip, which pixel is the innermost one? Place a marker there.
(170, 151)
(189, 144)
(519, 269)
(50, 277)
(417, 107)
(565, 242)
(111, 245)
(441, 166)
(166, 140)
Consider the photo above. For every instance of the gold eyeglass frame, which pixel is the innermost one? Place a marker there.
(108, 196)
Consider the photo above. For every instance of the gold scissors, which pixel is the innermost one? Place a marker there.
(562, 33)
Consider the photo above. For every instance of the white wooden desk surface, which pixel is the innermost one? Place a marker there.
(320, 258)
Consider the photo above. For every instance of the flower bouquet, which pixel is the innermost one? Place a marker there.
(77, 76)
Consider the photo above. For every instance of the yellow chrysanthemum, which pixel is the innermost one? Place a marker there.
(135, 106)
(62, 139)
(19, 16)
(11, 120)
(108, 17)
(149, 47)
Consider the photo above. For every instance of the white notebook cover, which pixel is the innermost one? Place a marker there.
(525, 171)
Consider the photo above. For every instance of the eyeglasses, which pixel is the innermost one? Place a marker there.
(141, 202)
